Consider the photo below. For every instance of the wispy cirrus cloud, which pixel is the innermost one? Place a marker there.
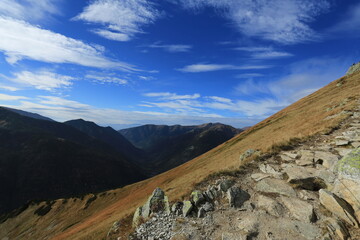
(6, 97)
(171, 96)
(264, 52)
(202, 67)
(101, 78)
(285, 22)
(119, 20)
(172, 48)
(21, 40)
(43, 80)
(29, 10)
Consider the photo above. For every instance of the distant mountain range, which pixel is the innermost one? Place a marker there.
(48, 160)
(170, 146)
(42, 159)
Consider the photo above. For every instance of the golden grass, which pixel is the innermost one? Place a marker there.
(303, 118)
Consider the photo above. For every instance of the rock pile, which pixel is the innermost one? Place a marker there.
(311, 192)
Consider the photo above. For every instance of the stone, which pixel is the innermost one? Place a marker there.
(307, 158)
(259, 176)
(349, 165)
(349, 190)
(271, 206)
(299, 209)
(212, 193)
(343, 151)
(338, 207)
(308, 195)
(157, 202)
(291, 155)
(248, 153)
(197, 198)
(340, 142)
(355, 144)
(337, 228)
(304, 178)
(201, 213)
(286, 158)
(176, 208)
(187, 207)
(353, 69)
(237, 196)
(225, 184)
(208, 207)
(327, 159)
(270, 185)
(268, 169)
(114, 229)
(137, 218)
(249, 224)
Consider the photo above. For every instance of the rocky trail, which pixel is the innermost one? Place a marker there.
(309, 191)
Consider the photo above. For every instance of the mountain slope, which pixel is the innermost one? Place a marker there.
(319, 112)
(29, 114)
(47, 160)
(171, 146)
(109, 136)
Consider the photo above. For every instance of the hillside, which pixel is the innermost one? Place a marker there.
(170, 146)
(318, 113)
(43, 159)
(109, 136)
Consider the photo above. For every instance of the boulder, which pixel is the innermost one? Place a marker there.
(270, 185)
(355, 144)
(341, 142)
(327, 159)
(197, 198)
(225, 184)
(208, 207)
(343, 151)
(307, 158)
(137, 218)
(176, 208)
(270, 205)
(237, 196)
(338, 206)
(248, 153)
(299, 209)
(268, 169)
(259, 176)
(304, 178)
(187, 207)
(292, 155)
(201, 213)
(249, 225)
(337, 228)
(349, 166)
(349, 190)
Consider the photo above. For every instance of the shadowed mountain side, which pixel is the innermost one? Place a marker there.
(171, 146)
(29, 114)
(111, 137)
(47, 160)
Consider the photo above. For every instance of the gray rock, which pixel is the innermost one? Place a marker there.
(271, 206)
(341, 142)
(307, 158)
(308, 195)
(304, 178)
(249, 224)
(338, 207)
(355, 144)
(349, 190)
(187, 207)
(337, 228)
(349, 165)
(197, 198)
(156, 203)
(269, 185)
(292, 155)
(176, 208)
(237, 197)
(327, 159)
(259, 176)
(201, 213)
(343, 151)
(299, 209)
(225, 184)
(208, 207)
(247, 154)
(137, 218)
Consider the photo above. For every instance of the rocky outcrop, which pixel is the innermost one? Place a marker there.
(354, 68)
(306, 193)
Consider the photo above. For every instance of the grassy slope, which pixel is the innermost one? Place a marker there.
(305, 117)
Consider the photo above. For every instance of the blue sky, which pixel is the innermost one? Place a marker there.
(131, 62)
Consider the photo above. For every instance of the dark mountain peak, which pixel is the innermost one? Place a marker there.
(28, 114)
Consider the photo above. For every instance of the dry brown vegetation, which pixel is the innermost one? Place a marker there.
(69, 220)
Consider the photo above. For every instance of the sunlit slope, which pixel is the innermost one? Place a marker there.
(318, 112)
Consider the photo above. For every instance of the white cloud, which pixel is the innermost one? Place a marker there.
(6, 97)
(122, 19)
(281, 21)
(9, 88)
(172, 48)
(43, 80)
(21, 40)
(29, 10)
(249, 75)
(107, 79)
(172, 96)
(264, 52)
(220, 99)
(200, 67)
